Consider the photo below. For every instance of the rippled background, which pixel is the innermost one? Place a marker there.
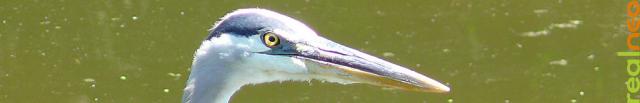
(494, 51)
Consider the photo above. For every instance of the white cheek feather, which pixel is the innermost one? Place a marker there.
(279, 68)
(252, 43)
(250, 67)
(299, 62)
(221, 41)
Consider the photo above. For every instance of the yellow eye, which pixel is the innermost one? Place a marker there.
(270, 39)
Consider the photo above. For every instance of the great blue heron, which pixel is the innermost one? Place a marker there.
(252, 46)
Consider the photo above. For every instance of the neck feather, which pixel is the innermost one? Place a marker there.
(211, 79)
(213, 87)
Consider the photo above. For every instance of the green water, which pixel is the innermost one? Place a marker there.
(494, 51)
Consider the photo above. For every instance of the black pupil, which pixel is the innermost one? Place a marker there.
(272, 39)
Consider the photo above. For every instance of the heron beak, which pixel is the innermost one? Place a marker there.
(345, 63)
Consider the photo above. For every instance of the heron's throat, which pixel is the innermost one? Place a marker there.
(211, 79)
(209, 88)
(209, 83)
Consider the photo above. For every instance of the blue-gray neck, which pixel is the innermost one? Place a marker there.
(211, 79)
(208, 88)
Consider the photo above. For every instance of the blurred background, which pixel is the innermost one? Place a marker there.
(492, 51)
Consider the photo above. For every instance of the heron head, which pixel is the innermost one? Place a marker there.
(264, 46)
